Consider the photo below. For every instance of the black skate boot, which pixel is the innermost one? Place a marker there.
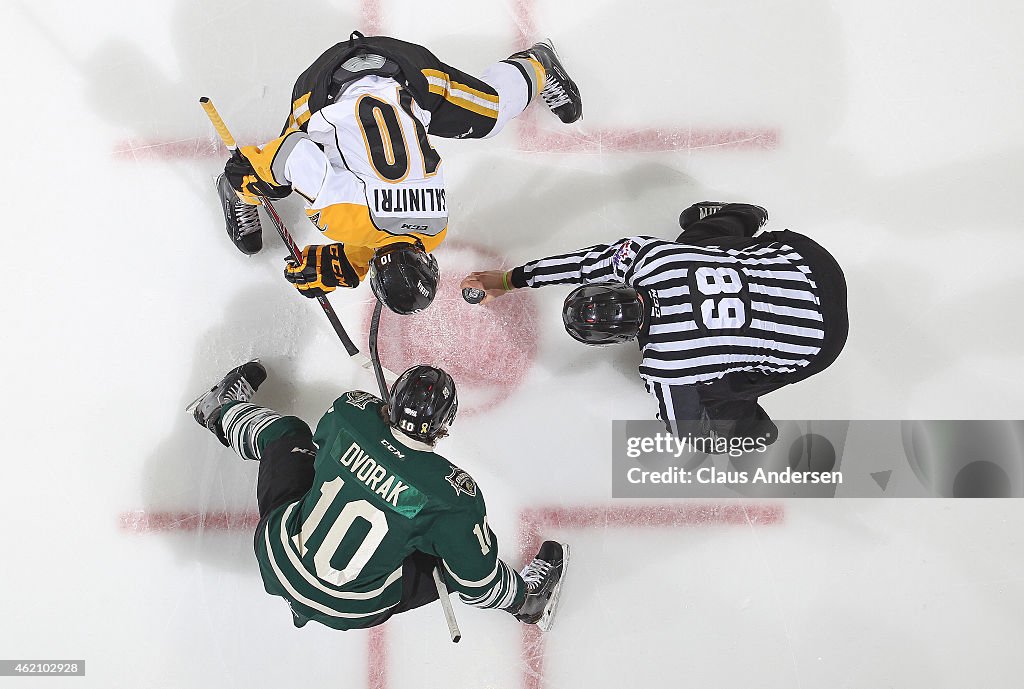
(239, 385)
(560, 93)
(698, 211)
(544, 577)
(241, 220)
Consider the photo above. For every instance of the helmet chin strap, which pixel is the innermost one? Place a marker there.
(643, 310)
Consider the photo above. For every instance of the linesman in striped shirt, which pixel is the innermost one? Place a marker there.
(723, 315)
(356, 147)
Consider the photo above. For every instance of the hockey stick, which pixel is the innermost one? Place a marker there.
(293, 248)
(446, 605)
(442, 590)
(286, 237)
(374, 356)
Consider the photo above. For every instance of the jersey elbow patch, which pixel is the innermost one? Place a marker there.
(285, 146)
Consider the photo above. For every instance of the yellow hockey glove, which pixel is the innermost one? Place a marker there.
(323, 268)
(253, 171)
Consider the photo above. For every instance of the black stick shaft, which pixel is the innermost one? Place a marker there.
(374, 356)
(442, 590)
(286, 237)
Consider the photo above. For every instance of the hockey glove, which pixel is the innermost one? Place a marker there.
(324, 268)
(242, 177)
(254, 171)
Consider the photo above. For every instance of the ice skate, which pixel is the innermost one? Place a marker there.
(544, 577)
(560, 93)
(704, 209)
(238, 385)
(241, 220)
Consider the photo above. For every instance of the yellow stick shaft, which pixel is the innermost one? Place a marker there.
(218, 123)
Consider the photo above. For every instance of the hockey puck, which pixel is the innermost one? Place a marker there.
(473, 295)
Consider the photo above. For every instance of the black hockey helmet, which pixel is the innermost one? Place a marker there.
(423, 403)
(404, 277)
(602, 314)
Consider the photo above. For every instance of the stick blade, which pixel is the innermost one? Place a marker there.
(367, 363)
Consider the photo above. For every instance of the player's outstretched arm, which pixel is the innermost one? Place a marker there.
(616, 262)
(261, 171)
(469, 561)
(471, 567)
(291, 162)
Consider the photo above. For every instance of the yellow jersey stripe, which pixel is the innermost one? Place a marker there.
(300, 110)
(435, 74)
(460, 91)
(440, 83)
(473, 107)
(456, 86)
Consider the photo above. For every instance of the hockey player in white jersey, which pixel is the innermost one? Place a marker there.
(355, 147)
(722, 316)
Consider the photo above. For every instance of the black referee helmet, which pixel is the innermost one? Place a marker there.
(603, 314)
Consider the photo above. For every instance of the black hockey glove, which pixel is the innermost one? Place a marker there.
(243, 178)
(323, 269)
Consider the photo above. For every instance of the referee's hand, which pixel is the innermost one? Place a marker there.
(494, 283)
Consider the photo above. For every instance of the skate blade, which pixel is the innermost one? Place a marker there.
(195, 403)
(192, 407)
(547, 618)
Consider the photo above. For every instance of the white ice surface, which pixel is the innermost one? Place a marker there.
(901, 148)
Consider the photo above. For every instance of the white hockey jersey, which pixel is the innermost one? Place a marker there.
(367, 171)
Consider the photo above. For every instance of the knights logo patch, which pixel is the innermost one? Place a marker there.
(358, 398)
(462, 482)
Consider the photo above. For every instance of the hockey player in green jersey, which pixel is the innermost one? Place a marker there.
(355, 517)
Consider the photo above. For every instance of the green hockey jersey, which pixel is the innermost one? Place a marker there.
(336, 554)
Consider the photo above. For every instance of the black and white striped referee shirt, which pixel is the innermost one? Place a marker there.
(711, 310)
